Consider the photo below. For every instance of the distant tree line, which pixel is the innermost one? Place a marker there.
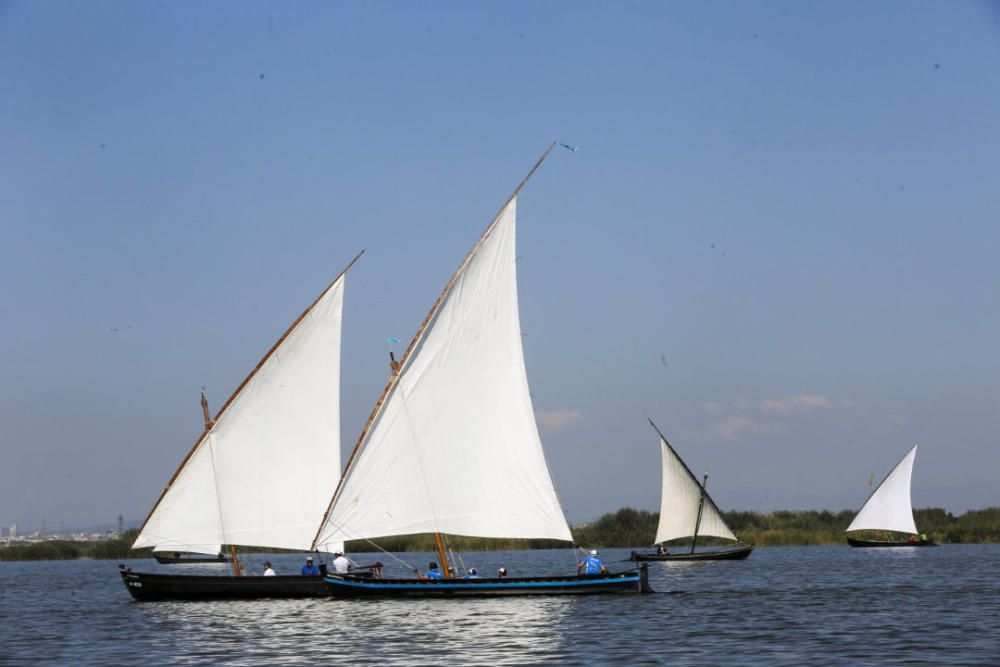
(627, 527)
(630, 527)
(116, 548)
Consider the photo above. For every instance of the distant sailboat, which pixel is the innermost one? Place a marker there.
(452, 446)
(889, 508)
(686, 510)
(186, 558)
(261, 472)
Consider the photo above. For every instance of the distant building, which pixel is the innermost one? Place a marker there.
(13, 530)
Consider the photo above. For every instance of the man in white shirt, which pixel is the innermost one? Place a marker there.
(268, 571)
(340, 564)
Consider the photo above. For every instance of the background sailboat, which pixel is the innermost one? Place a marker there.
(261, 472)
(889, 508)
(452, 445)
(686, 510)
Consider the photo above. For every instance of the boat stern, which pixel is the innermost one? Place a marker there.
(644, 586)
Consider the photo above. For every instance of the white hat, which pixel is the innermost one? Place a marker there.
(592, 552)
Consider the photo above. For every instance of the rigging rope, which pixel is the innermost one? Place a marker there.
(377, 547)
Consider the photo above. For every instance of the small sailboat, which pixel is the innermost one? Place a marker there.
(182, 558)
(686, 510)
(889, 508)
(260, 473)
(452, 447)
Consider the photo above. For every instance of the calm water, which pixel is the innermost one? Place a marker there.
(783, 606)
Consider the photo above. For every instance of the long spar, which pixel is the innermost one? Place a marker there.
(394, 377)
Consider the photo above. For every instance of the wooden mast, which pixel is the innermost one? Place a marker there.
(236, 562)
(204, 410)
(236, 393)
(701, 506)
(444, 560)
(394, 377)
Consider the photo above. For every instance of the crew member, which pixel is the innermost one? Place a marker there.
(340, 564)
(310, 570)
(591, 564)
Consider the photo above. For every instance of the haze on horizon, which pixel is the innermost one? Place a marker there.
(778, 236)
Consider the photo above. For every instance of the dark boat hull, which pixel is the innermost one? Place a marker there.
(149, 586)
(854, 542)
(164, 559)
(633, 581)
(728, 554)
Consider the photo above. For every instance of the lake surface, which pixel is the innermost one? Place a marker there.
(782, 606)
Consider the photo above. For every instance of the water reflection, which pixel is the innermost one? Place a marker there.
(779, 607)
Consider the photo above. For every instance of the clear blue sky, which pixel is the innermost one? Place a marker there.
(778, 237)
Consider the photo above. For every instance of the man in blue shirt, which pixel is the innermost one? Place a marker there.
(473, 574)
(310, 570)
(433, 572)
(591, 564)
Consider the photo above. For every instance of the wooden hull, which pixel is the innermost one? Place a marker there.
(854, 542)
(164, 559)
(149, 586)
(633, 581)
(727, 554)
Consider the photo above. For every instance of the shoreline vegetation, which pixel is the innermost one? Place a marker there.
(626, 527)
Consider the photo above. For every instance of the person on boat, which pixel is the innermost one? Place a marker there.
(501, 573)
(340, 564)
(310, 570)
(268, 570)
(473, 574)
(661, 550)
(912, 539)
(433, 572)
(591, 564)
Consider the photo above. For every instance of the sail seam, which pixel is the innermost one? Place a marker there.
(218, 496)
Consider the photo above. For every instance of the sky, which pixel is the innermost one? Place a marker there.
(777, 237)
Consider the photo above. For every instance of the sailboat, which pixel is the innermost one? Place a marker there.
(889, 508)
(184, 558)
(452, 447)
(686, 510)
(261, 472)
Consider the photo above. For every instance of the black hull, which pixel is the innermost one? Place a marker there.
(727, 554)
(163, 559)
(633, 581)
(880, 544)
(149, 587)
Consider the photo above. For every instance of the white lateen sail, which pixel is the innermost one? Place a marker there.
(889, 506)
(679, 503)
(262, 474)
(453, 446)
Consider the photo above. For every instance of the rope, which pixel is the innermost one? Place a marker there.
(458, 560)
(377, 547)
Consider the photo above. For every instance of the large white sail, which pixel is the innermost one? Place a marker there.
(454, 447)
(261, 476)
(679, 503)
(889, 506)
